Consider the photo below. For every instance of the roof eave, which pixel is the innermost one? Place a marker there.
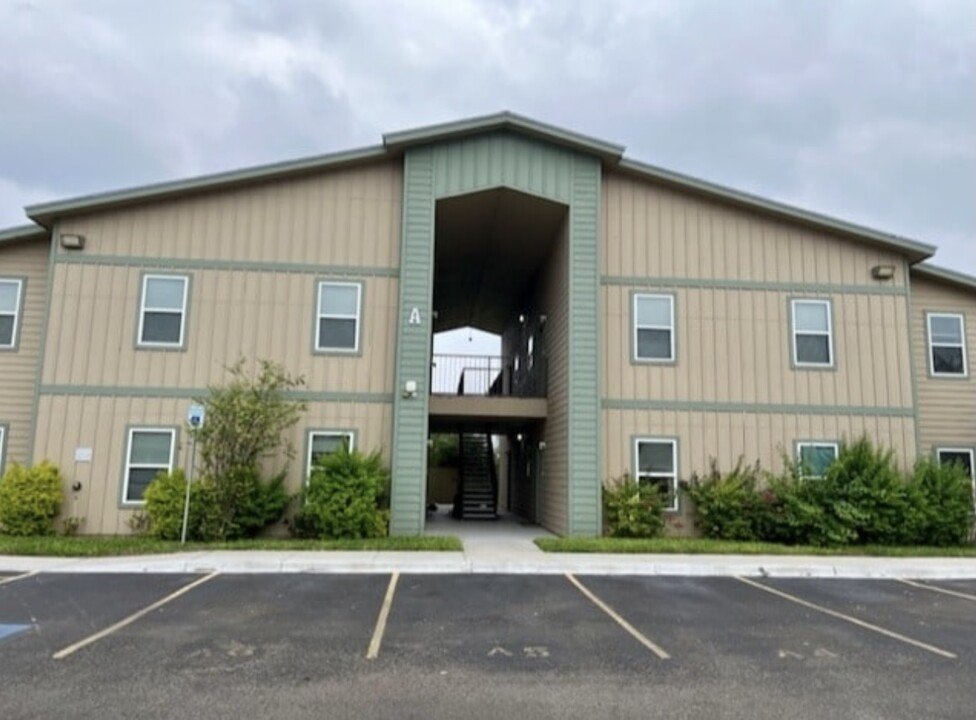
(45, 213)
(23, 233)
(914, 250)
(945, 275)
(398, 141)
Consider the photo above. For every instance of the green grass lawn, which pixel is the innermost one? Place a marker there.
(704, 546)
(89, 546)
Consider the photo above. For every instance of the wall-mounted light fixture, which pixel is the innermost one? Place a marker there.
(73, 242)
(883, 272)
(543, 318)
(409, 388)
(542, 444)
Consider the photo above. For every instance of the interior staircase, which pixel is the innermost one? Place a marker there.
(477, 493)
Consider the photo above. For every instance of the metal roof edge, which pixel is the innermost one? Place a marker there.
(23, 232)
(941, 273)
(45, 212)
(505, 120)
(915, 250)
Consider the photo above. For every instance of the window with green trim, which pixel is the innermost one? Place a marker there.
(653, 327)
(656, 463)
(947, 344)
(149, 451)
(815, 458)
(338, 316)
(162, 311)
(325, 442)
(813, 344)
(10, 291)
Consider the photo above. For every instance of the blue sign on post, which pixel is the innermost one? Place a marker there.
(195, 415)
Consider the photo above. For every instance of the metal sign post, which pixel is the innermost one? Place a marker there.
(195, 415)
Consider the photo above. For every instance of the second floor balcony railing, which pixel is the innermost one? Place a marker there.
(484, 375)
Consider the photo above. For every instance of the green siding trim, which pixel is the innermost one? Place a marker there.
(21, 233)
(585, 446)
(935, 272)
(635, 281)
(409, 461)
(190, 393)
(39, 376)
(913, 372)
(157, 263)
(762, 408)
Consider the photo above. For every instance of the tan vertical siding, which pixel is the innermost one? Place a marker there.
(651, 230)
(101, 423)
(946, 406)
(339, 217)
(28, 261)
(553, 513)
(230, 314)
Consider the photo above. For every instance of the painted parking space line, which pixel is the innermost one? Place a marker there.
(15, 578)
(937, 589)
(373, 651)
(75, 647)
(616, 617)
(849, 618)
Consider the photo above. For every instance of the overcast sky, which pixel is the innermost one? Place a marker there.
(863, 110)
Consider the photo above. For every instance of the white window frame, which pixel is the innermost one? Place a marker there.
(348, 434)
(16, 313)
(672, 477)
(814, 444)
(636, 327)
(129, 465)
(795, 332)
(319, 315)
(3, 447)
(143, 310)
(959, 451)
(961, 345)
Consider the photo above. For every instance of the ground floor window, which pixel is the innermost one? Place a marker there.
(960, 456)
(3, 446)
(656, 464)
(815, 457)
(326, 442)
(149, 452)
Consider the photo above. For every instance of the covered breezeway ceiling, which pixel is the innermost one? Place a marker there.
(488, 248)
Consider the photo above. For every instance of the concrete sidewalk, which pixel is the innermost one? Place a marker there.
(503, 557)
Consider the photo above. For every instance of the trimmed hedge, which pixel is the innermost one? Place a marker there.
(30, 499)
(630, 511)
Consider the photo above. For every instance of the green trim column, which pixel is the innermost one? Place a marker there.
(585, 442)
(408, 492)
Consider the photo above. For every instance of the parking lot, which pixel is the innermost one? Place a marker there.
(433, 646)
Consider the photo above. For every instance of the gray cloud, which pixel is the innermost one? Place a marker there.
(858, 109)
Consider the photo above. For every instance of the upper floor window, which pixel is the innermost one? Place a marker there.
(10, 291)
(338, 316)
(162, 315)
(815, 458)
(813, 344)
(947, 344)
(653, 328)
(326, 442)
(150, 451)
(656, 460)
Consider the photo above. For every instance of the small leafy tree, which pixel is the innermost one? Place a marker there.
(30, 499)
(246, 420)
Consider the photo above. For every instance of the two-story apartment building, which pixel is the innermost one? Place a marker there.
(649, 322)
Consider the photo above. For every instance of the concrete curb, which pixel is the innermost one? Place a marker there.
(527, 563)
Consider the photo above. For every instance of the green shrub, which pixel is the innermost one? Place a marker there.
(942, 495)
(30, 499)
(631, 511)
(165, 498)
(262, 503)
(344, 498)
(726, 506)
(792, 512)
